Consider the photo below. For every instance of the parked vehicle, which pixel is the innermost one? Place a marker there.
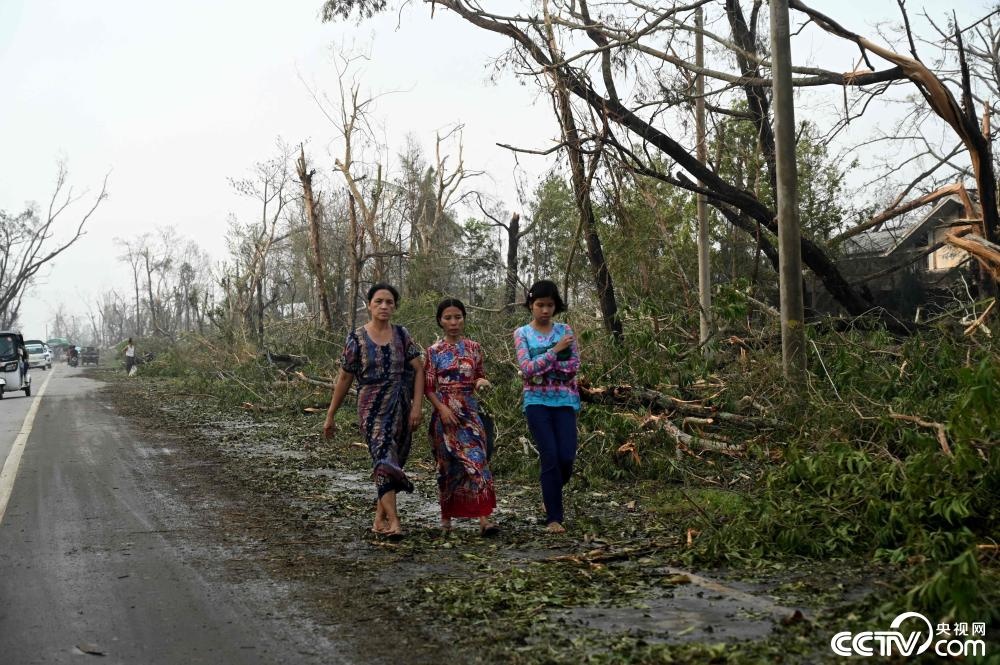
(13, 364)
(90, 355)
(39, 354)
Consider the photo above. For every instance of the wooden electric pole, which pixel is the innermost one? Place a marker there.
(704, 243)
(793, 334)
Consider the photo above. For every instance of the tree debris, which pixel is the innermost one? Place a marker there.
(937, 427)
(625, 395)
(979, 321)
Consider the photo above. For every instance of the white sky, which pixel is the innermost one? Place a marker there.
(175, 97)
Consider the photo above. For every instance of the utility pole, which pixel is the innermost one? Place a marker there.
(793, 334)
(704, 244)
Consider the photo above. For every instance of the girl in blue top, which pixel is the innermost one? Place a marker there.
(549, 360)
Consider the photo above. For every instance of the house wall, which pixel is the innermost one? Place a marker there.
(948, 256)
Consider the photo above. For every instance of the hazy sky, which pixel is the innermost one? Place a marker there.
(173, 98)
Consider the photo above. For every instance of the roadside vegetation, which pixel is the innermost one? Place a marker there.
(872, 491)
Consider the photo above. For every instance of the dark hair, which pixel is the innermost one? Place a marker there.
(382, 286)
(544, 288)
(445, 304)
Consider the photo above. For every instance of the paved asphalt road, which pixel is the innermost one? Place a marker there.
(97, 553)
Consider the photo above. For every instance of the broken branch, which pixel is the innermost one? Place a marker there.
(937, 427)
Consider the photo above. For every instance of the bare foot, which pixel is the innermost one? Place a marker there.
(446, 525)
(394, 530)
(381, 523)
(555, 527)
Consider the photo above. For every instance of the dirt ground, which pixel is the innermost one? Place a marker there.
(291, 510)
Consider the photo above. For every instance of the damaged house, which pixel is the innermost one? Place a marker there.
(910, 266)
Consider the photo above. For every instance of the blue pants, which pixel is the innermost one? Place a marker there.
(554, 432)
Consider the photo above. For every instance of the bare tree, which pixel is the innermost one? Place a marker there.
(962, 119)
(133, 256)
(646, 43)
(367, 234)
(311, 207)
(269, 187)
(27, 242)
(514, 234)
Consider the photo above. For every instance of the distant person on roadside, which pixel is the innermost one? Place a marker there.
(129, 356)
(22, 356)
(452, 376)
(387, 365)
(549, 359)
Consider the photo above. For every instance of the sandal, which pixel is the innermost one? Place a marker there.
(489, 531)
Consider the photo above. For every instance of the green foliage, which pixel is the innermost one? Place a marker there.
(342, 9)
(876, 485)
(555, 217)
(975, 416)
(649, 238)
(729, 304)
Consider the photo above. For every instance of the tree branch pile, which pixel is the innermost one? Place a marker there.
(693, 414)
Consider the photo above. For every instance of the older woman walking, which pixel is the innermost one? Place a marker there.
(387, 364)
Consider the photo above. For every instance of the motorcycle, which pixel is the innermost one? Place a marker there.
(13, 364)
(72, 361)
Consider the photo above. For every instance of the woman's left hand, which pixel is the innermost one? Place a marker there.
(483, 384)
(416, 416)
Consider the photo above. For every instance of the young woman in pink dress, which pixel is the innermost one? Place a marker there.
(453, 375)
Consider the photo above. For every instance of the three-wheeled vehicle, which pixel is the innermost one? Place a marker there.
(13, 364)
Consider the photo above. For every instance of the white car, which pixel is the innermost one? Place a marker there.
(39, 354)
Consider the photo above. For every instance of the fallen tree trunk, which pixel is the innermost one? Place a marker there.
(694, 442)
(984, 251)
(902, 208)
(315, 381)
(658, 402)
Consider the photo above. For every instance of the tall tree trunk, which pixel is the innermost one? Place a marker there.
(138, 321)
(354, 239)
(581, 190)
(260, 302)
(584, 203)
(309, 203)
(510, 279)
(149, 293)
(756, 95)
(187, 308)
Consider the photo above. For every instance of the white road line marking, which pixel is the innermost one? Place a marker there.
(13, 460)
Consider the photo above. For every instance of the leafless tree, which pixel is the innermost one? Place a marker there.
(631, 63)
(29, 240)
(312, 210)
(269, 186)
(514, 233)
